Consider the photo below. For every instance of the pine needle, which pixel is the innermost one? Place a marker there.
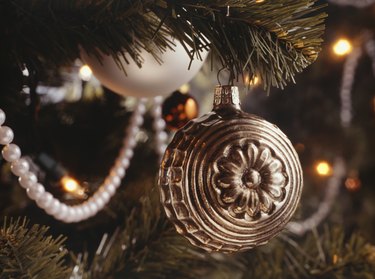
(273, 40)
(26, 252)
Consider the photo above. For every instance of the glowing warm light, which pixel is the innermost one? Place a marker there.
(323, 168)
(191, 108)
(353, 184)
(85, 73)
(69, 184)
(185, 88)
(342, 47)
(259, 1)
(335, 259)
(252, 81)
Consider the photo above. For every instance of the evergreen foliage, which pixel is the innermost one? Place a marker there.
(146, 246)
(27, 252)
(271, 39)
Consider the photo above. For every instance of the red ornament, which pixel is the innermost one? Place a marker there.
(178, 109)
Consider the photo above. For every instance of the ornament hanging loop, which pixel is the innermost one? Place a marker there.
(230, 76)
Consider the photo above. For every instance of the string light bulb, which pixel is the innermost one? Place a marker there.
(352, 182)
(323, 168)
(252, 80)
(71, 186)
(85, 73)
(185, 88)
(342, 47)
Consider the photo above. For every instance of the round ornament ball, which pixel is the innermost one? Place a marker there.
(152, 79)
(230, 180)
(178, 109)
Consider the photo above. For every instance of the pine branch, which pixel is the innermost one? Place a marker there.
(271, 39)
(27, 253)
(330, 255)
(148, 247)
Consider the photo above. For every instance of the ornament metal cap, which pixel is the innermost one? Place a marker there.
(226, 96)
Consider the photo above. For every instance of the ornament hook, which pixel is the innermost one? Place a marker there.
(230, 76)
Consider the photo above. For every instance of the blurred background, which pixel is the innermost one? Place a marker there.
(72, 128)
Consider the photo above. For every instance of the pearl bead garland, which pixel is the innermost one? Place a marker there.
(6, 135)
(68, 214)
(159, 126)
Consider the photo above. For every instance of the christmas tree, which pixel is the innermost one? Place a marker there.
(83, 198)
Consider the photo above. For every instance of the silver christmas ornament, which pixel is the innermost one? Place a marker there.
(230, 180)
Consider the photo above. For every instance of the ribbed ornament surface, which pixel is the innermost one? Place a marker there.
(230, 180)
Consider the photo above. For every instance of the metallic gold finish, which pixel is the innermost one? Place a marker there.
(229, 180)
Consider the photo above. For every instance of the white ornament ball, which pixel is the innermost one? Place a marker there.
(2, 117)
(152, 79)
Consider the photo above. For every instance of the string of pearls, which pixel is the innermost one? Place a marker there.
(339, 168)
(370, 49)
(347, 81)
(52, 206)
(333, 187)
(159, 126)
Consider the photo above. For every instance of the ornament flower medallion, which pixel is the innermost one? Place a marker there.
(249, 180)
(229, 180)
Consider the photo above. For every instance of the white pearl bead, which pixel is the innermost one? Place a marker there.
(123, 161)
(28, 180)
(44, 200)
(2, 117)
(156, 110)
(35, 192)
(62, 212)
(20, 167)
(110, 189)
(79, 214)
(137, 120)
(128, 153)
(117, 170)
(105, 196)
(132, 131)
(161, 136)
(113, 179)
(130, 142)
(159, 124)
(93, 208)
(158, 100)
(6, 135)
(98, 200)
(85, 211)
(141, 109)
(11, 152)
(53, 207)
(71, 216)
